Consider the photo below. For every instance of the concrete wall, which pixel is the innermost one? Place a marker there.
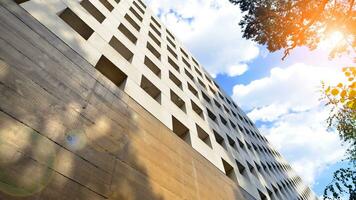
(67, 132)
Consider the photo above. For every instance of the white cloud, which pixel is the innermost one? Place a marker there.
(210, 30)
(237, 70)
(288, 102)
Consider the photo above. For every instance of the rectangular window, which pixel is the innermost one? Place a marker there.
(138, 7)
(211, 115)
(221, 96)
(88, 6)
(153, 51)
(178, 101)
(241, 144)
(241, 168)
(173, 64)
(198, 71)
(219, 139)
(127, 33)
(76, 23)
(186, 63)
(229, 171)
(171, 42)
(21, 1)
(154, 38)
(217, 104)
(175, 80)
(142, 4)
(196, 62)
(197, 109)
(226, 109)
(132, 22)
(121, 49)
(207, 99)
(153, 67)
(202, 83)
(156, 22)
(193, 90)
(189, 75)
(232, 143)
(107, 5)
(172, 52)
(204, 136)
(170, 34)
(151, 89)
(252, 169)
(212, 90)
(248, 146)
(207, 78)
(138, 16)
(184, 53)
(181, 130)
(232, 124)
(111, 71)
(155, 30)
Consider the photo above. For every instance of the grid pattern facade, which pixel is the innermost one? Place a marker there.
(126, 42)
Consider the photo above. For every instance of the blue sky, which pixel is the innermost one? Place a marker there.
(282, 97)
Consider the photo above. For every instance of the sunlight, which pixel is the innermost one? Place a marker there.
(332, 40)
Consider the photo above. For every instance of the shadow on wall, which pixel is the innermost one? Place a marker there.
(65, 133)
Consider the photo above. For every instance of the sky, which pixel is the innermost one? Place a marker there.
(281, 97)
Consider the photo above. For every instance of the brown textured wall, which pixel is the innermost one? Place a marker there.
(66, 132)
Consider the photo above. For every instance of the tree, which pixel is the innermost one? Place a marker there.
(286, 24)
(343, 183)
(342, 100)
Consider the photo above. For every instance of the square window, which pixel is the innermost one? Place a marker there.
(204, 136)
(173, 64)
(170, 34)
(172, 52)
(111, 71)
(207, 99)
(219, 139)
(88, 6)
(181, 130)
(132, 22)
(138, 16)
(154, 38)
(193, 90)
(151, 89)
(127, 33)
(178, 101)
(138, 7)
(155, 30)
(153, 67)
(229, 171)
(211, 115)
(107, 5)
(153, 51)
(156, 22)
(76, 23)
(121, 49)
(175, 80)
(197, 109)
(189, 74)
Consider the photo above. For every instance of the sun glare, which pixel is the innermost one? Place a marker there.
(333, 39)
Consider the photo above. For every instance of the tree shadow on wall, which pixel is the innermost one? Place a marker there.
(65, 132)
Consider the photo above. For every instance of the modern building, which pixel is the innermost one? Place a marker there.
(93, 53)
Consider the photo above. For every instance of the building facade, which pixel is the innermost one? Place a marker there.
(133, 52)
